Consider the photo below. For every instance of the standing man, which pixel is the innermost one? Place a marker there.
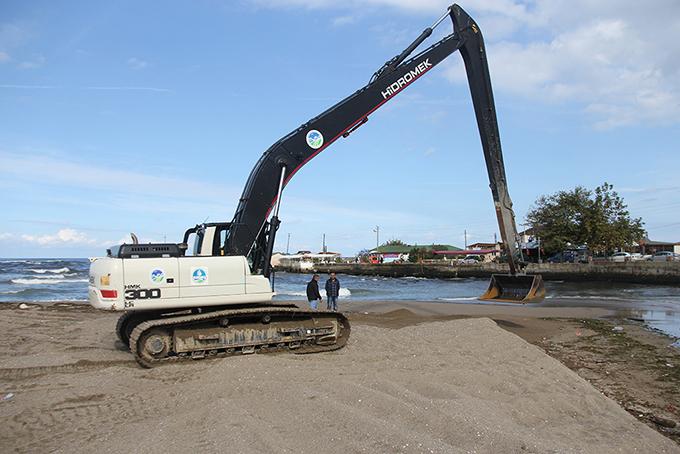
(332, 292)
(313, 295)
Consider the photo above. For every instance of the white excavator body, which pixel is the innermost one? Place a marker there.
(168, 280)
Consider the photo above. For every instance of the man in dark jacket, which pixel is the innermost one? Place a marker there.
(332, 292)
(313, 295)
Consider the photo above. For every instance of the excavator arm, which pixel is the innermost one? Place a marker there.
(250, 234)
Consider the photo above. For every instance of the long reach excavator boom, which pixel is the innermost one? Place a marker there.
(217, 300)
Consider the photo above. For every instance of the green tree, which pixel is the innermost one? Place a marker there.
(363, 255)
(394, 242)
(599, 219)
(416, 254)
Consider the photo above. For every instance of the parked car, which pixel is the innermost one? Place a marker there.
(620, 257)
(564, 257)
(471, 260)
(666, 256)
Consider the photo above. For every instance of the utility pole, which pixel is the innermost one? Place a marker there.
(465, 233)
(288, 245)
(495, 239)
(377, 236)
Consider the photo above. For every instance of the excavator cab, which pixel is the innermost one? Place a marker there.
(520, 288)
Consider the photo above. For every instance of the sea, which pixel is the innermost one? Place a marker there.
(49, 280)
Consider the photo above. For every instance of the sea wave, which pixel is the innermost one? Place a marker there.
(43, 270)
(44, 281)
(49, 276)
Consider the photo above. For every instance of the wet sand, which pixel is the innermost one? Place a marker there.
(413, 378)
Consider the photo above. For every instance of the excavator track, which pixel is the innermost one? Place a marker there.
(237, 331)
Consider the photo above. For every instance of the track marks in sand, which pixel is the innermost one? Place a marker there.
(51, 427)
(24, 373)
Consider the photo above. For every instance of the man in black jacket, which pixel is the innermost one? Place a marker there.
(313, 295)
(332, 292)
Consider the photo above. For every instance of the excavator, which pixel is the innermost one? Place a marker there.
(216, 299)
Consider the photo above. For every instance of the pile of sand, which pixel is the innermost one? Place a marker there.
(454, 386)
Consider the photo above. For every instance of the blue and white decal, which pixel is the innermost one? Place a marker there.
(199, 275)
(314, 139)
(157, 275)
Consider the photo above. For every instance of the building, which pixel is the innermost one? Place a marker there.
(647, 246)
(389, 253)
(305, 259)
(480, 246)
(486, 251)
(527, 236)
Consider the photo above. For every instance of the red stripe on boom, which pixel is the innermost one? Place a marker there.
(290, 175)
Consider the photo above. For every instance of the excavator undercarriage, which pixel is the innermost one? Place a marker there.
(156, 339)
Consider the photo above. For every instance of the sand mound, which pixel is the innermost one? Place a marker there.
(453, 386)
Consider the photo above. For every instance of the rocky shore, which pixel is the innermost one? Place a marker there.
(643, 272)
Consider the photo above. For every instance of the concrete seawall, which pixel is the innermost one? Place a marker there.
(657, 273)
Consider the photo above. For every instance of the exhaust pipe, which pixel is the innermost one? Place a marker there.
(515, 289)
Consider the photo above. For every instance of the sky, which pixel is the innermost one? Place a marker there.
(148, 117)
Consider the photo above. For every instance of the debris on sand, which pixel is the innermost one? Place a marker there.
(665, 422)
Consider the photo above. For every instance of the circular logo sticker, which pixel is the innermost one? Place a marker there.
(199, 276)
(314, 139)
(157, 275)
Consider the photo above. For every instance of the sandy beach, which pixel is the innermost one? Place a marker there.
(413, 378)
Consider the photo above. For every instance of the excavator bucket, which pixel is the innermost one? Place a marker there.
(515, 289)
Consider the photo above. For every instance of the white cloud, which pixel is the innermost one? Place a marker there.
(596, 55)
(53, 169)
(6, 236)
(136, 63)
(62, 237)
(4, 57)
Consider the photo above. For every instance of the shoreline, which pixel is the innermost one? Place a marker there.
(642, 272)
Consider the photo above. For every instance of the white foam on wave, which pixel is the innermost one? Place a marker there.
(45, 281)
(50, 276)
(414, 278)
(344, 292)
(462, 298)
(43, 270)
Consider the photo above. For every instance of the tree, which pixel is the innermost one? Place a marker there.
(416, 255)
(394, 242)
(364, 255)
(599, 219)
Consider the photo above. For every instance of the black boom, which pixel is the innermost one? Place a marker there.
(251, 235)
